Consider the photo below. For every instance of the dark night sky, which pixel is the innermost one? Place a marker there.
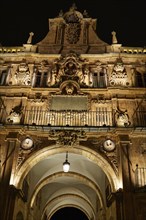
(126, 17)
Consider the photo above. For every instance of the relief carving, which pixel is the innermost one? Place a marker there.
(25, 151)
(122, 118)
(73, 32)
(119, 75)
(112, 157)
(73, 26)
(21, 76)
(69, 67)
(43, 66)
(15, 115)
(110, 154)
(67, 137)
(70, 87)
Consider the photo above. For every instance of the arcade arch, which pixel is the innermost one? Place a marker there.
(87, 176)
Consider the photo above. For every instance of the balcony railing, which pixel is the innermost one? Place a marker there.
(70, 118)
(140, 119)
(140, 177)
(58, 118)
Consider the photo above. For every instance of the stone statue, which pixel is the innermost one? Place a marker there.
(61, 13)
(114, 38)
(29, 41)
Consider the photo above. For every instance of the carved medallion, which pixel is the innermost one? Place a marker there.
(66, 137)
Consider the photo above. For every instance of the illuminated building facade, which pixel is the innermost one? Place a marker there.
(73, 95)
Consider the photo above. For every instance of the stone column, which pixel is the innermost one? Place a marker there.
(118, 196)
(126, 169)
(8, 192)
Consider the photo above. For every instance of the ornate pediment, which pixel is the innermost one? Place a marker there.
(72, 30)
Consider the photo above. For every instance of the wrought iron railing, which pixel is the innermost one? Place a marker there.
(38, 116)
(140, 118)
(58, 118)
(71, 118)
(140, 176)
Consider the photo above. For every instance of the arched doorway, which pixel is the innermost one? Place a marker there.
(69, 213)
(82, 187)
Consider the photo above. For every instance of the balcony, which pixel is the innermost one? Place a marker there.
(140, 178)
(38, 117)
(58, 118)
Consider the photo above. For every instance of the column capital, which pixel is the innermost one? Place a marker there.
(12, 136)
(124, 139)
(118, 195)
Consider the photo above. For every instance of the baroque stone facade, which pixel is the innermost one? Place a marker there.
(73, 93)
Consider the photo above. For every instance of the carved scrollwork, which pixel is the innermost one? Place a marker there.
(110, 155)
(70, 87)
(67, 137)
(73, 32)
(43, 66)
(25, 153)
(70, 68)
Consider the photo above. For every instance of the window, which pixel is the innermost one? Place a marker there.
(3, 78)
(99, 80)
(41, 79)
(140, 80)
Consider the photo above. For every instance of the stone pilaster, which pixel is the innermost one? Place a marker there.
(7, 193)
(126, 169)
